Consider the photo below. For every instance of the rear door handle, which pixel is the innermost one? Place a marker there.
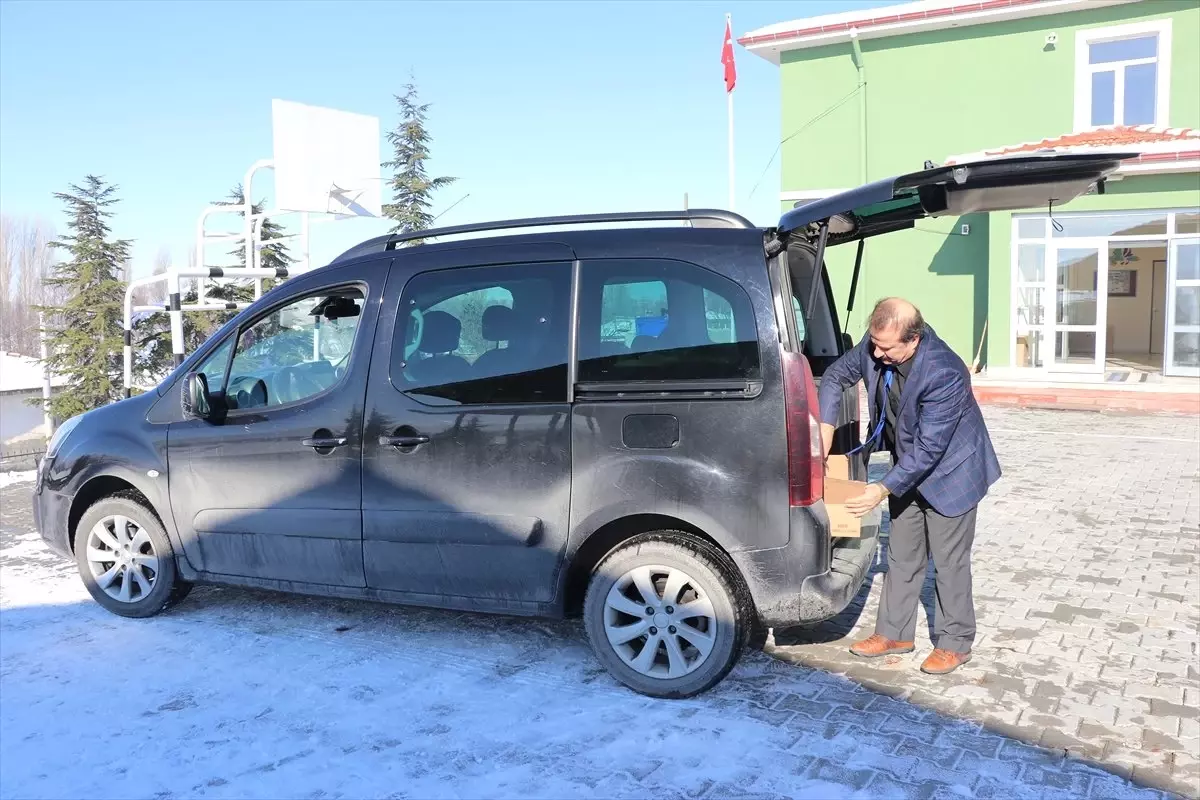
(403, 441)
(323, 443)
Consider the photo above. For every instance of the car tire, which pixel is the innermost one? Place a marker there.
(126, 560)
(707, 622)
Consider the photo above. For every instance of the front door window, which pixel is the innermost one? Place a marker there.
(293, 353)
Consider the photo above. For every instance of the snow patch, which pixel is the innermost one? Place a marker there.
(9, 478)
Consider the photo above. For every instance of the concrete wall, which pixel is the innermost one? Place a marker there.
(18, 420)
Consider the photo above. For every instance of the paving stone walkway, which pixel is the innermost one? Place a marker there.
(1087, 590)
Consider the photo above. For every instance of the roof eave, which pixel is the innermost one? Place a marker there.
(770, 45)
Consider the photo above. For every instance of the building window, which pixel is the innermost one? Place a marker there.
(1122, 75)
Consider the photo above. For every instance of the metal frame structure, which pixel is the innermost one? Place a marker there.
(176, 309)
(251, 235)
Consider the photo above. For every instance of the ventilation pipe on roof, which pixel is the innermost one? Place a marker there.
(862, 105)
(862, 134)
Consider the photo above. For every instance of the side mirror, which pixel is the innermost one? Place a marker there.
(196, 400)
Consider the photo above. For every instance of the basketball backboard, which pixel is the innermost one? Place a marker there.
(326, 161)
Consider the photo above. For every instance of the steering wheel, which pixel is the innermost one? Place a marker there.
(248, 392)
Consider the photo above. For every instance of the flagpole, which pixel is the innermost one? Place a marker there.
(729, 103)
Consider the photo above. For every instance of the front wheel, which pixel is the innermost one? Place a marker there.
(663, 615)
(126, 560)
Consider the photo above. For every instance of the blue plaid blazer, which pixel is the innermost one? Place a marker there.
(943, 449)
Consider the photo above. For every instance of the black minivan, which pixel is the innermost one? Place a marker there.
(620, 423)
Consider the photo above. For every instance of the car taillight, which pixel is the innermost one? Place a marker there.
(806, 463)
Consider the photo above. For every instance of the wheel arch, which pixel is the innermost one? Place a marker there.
(582, 562)
(100, 487)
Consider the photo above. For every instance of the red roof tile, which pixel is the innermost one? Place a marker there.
(1156, 145)
(1105, 137)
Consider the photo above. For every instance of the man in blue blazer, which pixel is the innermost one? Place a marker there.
(924, 413)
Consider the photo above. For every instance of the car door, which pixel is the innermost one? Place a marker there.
(272, 491)
(466, 452)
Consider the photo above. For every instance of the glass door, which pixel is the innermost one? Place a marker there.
(1077, 289)
(1183, 309)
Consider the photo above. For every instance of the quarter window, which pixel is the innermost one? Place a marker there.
(213, 367)
(484, 335)
(661, 320)
(295, 352)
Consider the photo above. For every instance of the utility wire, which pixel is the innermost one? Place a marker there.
(838, 104)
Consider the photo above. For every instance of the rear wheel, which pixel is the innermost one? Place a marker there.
(126, 560)
(664, 616)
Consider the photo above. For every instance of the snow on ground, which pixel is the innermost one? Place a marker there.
(239, 694)
(246, 695)
(9, 478)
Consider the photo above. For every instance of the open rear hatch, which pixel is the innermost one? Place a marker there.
(1001, 184)
(1043, 181)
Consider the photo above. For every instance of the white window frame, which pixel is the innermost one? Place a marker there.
(1048, 240)
(1084, 71)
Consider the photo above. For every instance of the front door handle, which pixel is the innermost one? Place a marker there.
(403, 441)
(324, 443)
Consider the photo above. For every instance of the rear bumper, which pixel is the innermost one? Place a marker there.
(807, 581)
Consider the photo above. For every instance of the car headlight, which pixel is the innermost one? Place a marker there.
(60, 436)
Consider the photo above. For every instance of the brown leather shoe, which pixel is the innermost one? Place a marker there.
(942, 661)
(877, 645)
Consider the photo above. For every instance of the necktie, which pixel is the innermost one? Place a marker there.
(877, 434)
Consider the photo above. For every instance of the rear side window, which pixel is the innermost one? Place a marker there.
(661, 320)
(484, 335)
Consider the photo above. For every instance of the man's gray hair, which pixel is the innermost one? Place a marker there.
(895, 311)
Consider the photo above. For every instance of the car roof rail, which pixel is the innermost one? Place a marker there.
(706, 217)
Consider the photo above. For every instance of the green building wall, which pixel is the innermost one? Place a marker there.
(941, 93)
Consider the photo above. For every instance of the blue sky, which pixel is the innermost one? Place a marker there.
(537, 107)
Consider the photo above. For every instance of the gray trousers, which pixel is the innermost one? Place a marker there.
(918, 531)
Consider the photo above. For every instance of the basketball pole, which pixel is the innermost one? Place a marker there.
(247, 214)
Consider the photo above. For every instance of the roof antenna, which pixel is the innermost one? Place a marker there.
(1050, 210)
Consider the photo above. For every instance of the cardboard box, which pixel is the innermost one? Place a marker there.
(838, 489)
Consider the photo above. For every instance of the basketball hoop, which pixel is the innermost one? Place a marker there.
(326, 162)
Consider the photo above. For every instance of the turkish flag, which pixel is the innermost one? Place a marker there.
(727, 59)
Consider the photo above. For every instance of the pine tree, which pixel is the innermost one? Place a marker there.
(412, 188)
(270, 256)
(84, 336)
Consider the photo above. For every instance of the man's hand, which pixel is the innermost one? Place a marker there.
(826, 439)
(873, 496)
